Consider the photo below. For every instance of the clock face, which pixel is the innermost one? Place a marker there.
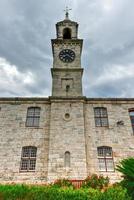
(67, 55)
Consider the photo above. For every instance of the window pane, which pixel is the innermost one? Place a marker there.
(26, 152)
(108, 152)
(30, 112)
(104, 151)
(104, 121)
(97, 112)
(100, 152)
(102, 166)
(131, 113)
(28, 159)
(33, 117)
(110, 165)
(132, 120)
(33, 152)
(97, 122)
(103, 112)
(101, 118)
(24, 164)
(106, 162)
(36, 121)
(32, 165)
(37, 112)
(30, 121)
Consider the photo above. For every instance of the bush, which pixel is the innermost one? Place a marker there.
(20, 192)
(63, 183)
(12, 192)
(116, 193)
(96, 182)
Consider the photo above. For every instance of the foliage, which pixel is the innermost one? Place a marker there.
(116, 193)
(63, 183)
(13, 192)
(20, 192)
(96, 182)
(126, 167)
(23, 192)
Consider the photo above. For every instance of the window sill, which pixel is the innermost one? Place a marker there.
(101, 126)
(33, 127)
(24, 171)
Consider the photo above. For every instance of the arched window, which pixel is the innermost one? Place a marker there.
(33, 117)
(101, 117)
(67, 33)
(28, 158)
(67, 159)
(105, 157)
(131, 114)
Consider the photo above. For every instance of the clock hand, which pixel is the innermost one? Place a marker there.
(69, 56)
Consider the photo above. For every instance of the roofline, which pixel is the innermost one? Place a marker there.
(64, 98)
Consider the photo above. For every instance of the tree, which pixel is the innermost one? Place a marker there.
(126, 167)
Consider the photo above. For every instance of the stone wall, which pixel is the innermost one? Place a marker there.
(14, 135)
(67, 135)
(63, 78)
(119, 137)
(66, 125)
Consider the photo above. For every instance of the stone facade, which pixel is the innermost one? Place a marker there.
(66, 125)
(57, 134)
(14, 135)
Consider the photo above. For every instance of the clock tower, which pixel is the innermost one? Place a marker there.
(67, 71)
(67, 149)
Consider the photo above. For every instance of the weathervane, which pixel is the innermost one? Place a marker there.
(67, 12)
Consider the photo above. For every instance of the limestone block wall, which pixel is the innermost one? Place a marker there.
(66, 125)
(119, 137)
(67, 135)
(63, 78)
(14, 135)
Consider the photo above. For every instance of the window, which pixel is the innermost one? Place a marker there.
(28, 159)
(101, 117)
(131, 114)
(105, 157)
(67, 159)
(67, 33)
(33, 117)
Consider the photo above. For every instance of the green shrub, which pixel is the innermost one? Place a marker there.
(63, 183)
(11, 192)
(96, 182)
(116, 193)
(22, 192)
(18, 192)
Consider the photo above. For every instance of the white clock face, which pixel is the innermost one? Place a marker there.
(67, 55)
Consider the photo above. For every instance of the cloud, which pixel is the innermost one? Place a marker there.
(114, 82)
(25, 45)
(13, 82)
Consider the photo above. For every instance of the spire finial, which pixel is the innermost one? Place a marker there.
(67, 12)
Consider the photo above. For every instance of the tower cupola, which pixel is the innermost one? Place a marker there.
(67, 29)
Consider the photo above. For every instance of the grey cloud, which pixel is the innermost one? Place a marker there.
(28, 26)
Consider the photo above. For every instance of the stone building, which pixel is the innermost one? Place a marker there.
(66, 135)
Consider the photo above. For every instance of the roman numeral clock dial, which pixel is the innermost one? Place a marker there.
(67, 55)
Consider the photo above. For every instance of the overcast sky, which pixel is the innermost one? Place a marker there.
(26, 30)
